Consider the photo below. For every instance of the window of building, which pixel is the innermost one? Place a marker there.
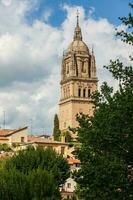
(79, 92)
(68, 185)
(77, 165)
(62, 150)
(22, 139)
(89, 92)
(84, 92)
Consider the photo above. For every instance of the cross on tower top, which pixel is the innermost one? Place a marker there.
(77, 32)
(78, 18)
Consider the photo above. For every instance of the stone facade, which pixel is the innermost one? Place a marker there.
(78, 81)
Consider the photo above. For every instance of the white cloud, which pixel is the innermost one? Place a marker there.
(91, 11)
(47, 14)
(30, 59)
(6, 2)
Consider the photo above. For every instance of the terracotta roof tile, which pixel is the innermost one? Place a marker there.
(72, 161)
(31, 138)
(5, 132)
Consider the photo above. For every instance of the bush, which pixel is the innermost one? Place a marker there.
(5, 147)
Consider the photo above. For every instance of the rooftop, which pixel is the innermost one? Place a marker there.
(7, 132)
(38, 139)
(72, 161)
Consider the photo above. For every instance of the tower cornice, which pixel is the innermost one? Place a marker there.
(76, 100)
(71, 79)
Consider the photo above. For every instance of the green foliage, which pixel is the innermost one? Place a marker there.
(33, 174)
(2, 163)
(38, 185)
(67, 136)
(13, 185)
(128, 22)
(107, 138)
(107, 147)
(5, 147)
(42, 185)
(47, 159)
(56, 130)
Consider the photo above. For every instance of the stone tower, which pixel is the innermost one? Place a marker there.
(78, 81)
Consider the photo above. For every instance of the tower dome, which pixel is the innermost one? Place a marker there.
(78, 45)
(78, 62)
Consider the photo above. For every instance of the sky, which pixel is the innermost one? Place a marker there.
(33, 36)
(110, 9)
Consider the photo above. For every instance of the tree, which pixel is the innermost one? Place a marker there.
(128, 22)
(107, 138)
(56, 130)
(13, 185)
(42, 185)
(33, 174)
(47, 159)
(68, 137)
(38, 184)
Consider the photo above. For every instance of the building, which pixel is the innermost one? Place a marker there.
(78, 81)
(13, 136)
(69, 187)
(60, 147)
(20, 140)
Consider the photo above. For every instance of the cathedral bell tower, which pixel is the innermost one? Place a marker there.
(78, 81)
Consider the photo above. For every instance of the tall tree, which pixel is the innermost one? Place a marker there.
(56, 130)
(107, 138)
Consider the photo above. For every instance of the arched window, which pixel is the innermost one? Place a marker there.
(84, 92)
(89, 92)
(79, 92)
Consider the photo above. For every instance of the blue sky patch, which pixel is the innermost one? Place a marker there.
(110, 9)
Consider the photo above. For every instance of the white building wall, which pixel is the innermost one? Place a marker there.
(70, 185)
